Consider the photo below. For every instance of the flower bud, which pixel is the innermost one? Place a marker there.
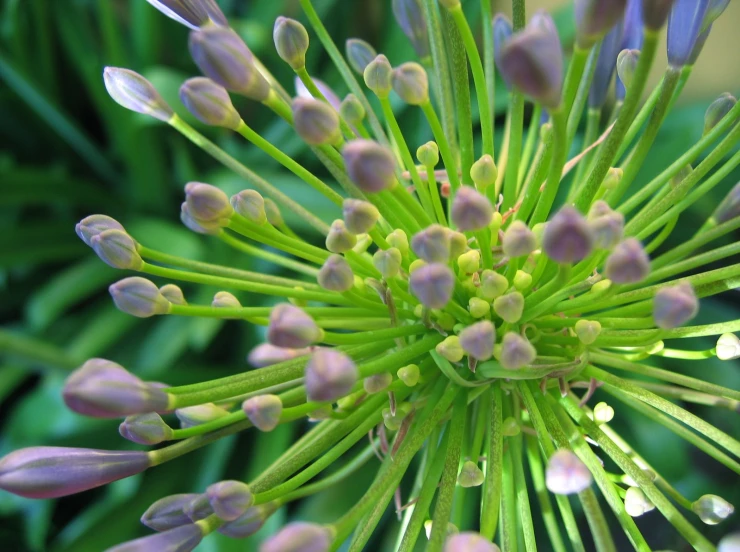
(478, 340)
(478, 307)
(192, 416)
(330, 375)
(594, 18)
(566, 473)
(369, 165)
(519, 240)
(492, 284)
(207, 204)
(399, 240)
(717, 111)
(729, 543)
(51, 472)
(377, 382)
(484, 172)
(509, 307)
(471, 210)
(728, 347)
(468, 541)
(603, 413)
(673, 306)
(179, 539)
(223, 57)
(138, 297)
(410, 17)
(606, 63)
(712, 509)
(516, 352)
(607, 226)
(628, 263)
(730, 206)
(250, 205)
(168, 512)
(246, 524)
(378, 76)
(291, 327)
(502, 32)
(352, 110)
(469, 262)
(451, 349)
(291, 42)
(387, 262)
(173, 294)
(209, 103)
(522, 280)
(225, 300)
(134, 92)
(191, 13)
(315, 121)
(409, 375)
(432, 244)
(626, 66)
(359, 54)
(411, 84)
(263, 411)
(299, 536)
(470, 475)
(655, 13)
(684, 26)
(336, 274)
(359, 216)
(433, 285)
(229, 499)
(567, 237)
(339, 239)
(197, 226)
(117, 249)
(145, 429)
(428, 154)
(587, 331)
(636, 503)
(93, 225)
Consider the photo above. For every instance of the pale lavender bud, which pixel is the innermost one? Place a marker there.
(299, 536)
(566, 473)
(291, 327)
(378, 76)
(316, 122)
(198, 508)
(433, 285)
(209, 103)
(636, 503)
(411, 84)
(712, 509)
(359, 54)
(145, 429)
(729, 543)
(673, 306)
(196, 226)
(359, 216)
(329, 375)
(655, 13)
(208, 204)
(291, 42)
(369, 165)
(168, 512)
(594, 18)
(467, 541)
(117, 249)
(518, 240)
(104, 389)
(607, 225)
(229, 499)
(191, 13)
(352, 110)
(516, 352)
(263, 411)
(628, 263)
(717, 111)
(339, 239)
(266, 354)
(192, 416)
(684, 27)
(478, 340)
(388, 262)
(567, 237)
(180, 539)
(245, 525)
(432, 244)
(173, 294)
(336, 274)
(588, 331)
(251, 205)
(509, 307)
(225, 300)
(471, 210)
(51, 472)
(410, 17)
(93, 225)
(134, 92)
(502, 32)
(138, 297)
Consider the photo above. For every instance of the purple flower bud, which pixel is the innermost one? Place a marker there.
(717, 111)
(714, 10)
(291, 42)
(329, 375)
(432, 244)
(134, 92)
(250, 205)
(567, 237)
(267, 354)
(626, 66)
(712, 509)
(291, 327)
(655, 13)
(378, 76)
(200, 414)
(223, 57)
(359, 54)
(339, 239)
(411, 84)
(410, 17)
(594, 18)
(673, 306)
(104, 389)
(191, 13)
(532, 61)
(684, 27)
(388, 262)
(168, 512)
(352, 110)
(209, 103)
(730, 206)
(93, 225)
(509, 307)
(519, 240)
(336, 274)
(566, 473)
(315, 121)
(467, 541)
(263, 411)
(145, 429)
(516, 352)
(433, 285)
(502, 32)
(207, 204)
(245, 525)
(606, 63)
(229, 499)
(138, 297)
(197, 226)
(359, 216)
(299, 536)
(117, 249)
(180, 539)
(607, 226)
(369, 165)
(51, 472)
(628, 263)
(471, 210)
(478, 340)
(173, 294)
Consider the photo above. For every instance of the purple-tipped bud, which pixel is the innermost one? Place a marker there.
(433, 285)
(225, 300)
(359, 216)
(478, 340)
(229, 499)
(729, 543)
(594, 18)
(134, 92)
(567, 237)
(208, 204)
(168, 512)
(104, 389)
(369, 165)
(173, 294)
(291, 42)
(628, 263)
(191, 13)
(532, 61)
(245, 525)
(712, 509)
(655, 13)
(606, 63)
(329, 375)
(492, 284)
(410, 17)
(291, 327)
(467, 541)
(139, 297)
(717, 111)
(51, 472)
(299, 536)
(471, 210)
(516, 352)
(267, 354)
(484, 172)
(432, 244)
(117, 249)
(378, 76)
(509, 307)
(387, 262)
(502, 32)
(336, 274)
(192, 416)
(566, 473)
(316, 122)
(411, 84)
(377, 382)
(93, 225)
(263, 411)
(673, 306)
(626, 66)
(684, 27)
(339, 239)
(223, 57)
(607, 225)
(519, 240)
(588, 331)
(352, 110)
(145, 429)
(359, 54)
(180, 539)
(428, 154)
(209, 103)
(250, 205)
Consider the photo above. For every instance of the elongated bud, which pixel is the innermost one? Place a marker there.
(291, 327)
(299, 536)
(168, 512)
(509, 307)
(467, 541)
(502, 32)
(209, 103)
(684, 27)
(516, 352)
(717, 111)
(729, 543)
(607, 226)
(451, 349)
(387, 262)
(567, 237)
(484, 172)
(606, 63)
(369, 165)
(138, 297)
(198, 508)
(519, 240)
(245, 525)
(432, 244)
(316, 122)
(377, 382)
(339, 239)
(712, 509)
(229, 499)
(145, 429)
(225, 300)
(329, 376)
(359, 216)
(378, 76)
(730, 206)
(428, 154)
(208, 204)
(134, 92)
(359, 54)
(587, 331)
(51, 472)
(180, 539)
(433, 285)
(471, 210)
(470, 475)
(191, 13)
(409, 15)
(352, 110)
(636, 503)
(117, 249)
(655, 13)
(291, 42)
(192, 416)
(223, 57)
(410, 83)
(626, 66)
(173, 294)
(492, 284)
(532, 61)
(274, 216)
(336, 274)
(673, 306)
(251, 205)
(594, 18)
(628, 263)
(728, 347)
(195, 226)
(478, 340)
(263, 411)
(91, 226)
(566, 473)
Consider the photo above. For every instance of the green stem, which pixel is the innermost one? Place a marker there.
(269, 256)
(492, 484)
(559, 157)
(444, 146)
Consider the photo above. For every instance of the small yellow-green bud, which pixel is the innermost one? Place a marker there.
(200, 414)
(451, 349)
(409, 375)
(478, 340)
(470, 475)
(522, 280)
(336, 274)
(728, 347)
(359, 54)
(516, 352)
(315, 121)
(377, 382)
(378, 76)
(636, 503)
(478, 307)
(587, 331)
(432, 285)
(352, 110)
(445, 320)
(388, 262)
(145, 429)
(469, 262)
(416, 265)
(399, 240)
(492, 285)
(484, 172)
(626, 66)
(717, 111)
(173, 294)
(339, 239)
(369, 165)
(428, 154)
(458, 243)
(410, 82)
(509, 307)
(603, 413)
(566, 473)
(600, 288)
(712, 509)
(225, 300)
(291, 42)
(471, 210)
(510, 427)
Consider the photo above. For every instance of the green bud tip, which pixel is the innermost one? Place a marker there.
(225, 300)
(712, 509)
(484, 172)
(377, 382)
(626, 66)
(352, 110)
(378, 76)
(410, 82)
(428, 155)
(387, 262)
(470, 475)
(587, 331)
(451, 349)
(340, 239)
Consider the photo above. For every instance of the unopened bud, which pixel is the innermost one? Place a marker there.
(567, 237)
(263, 411)
(352, 110)
(478, 340)
(339, 239)
(145, 429)
(470, 475)
(478, 307)
(387, 262)
(717, 111)
(299, 536)
(191, 13)
(594, 18)
(432, 244)
(509, 307)
(359, 54)
(359, 216)
(636, 503)
(468, 541)
(428, 155)
(492, 284)
(516, 352)
(369, 165)
(377, 382)
(712, 509)
(134, 92)
(225, 300)
(410, 17)
(566, 473)
(458, 243)
(502, 31)
(484, 172)
(628, 263)
(469, 262)
(626, 66)
(433, 285)
(246, 524)
(519, 240)
(655, 13)
(471, 210)
(315, 121)
(729, 543)
(291, 327)
(607, 225)
(451, 349)
(229, 499)
(207, 204)
(684, 27)
(673, 306)
(411, 84)
(329, 375)
(209, 103)
(587, 331)
(197, 226)
(168, 512)
(173, 294)
(117, 249)
(728, 347)
(336, 274)
(291, 42)
(138, 297)
(399, 240)
(91, 226)
(192, 416)
(378, 76)
(251, 205)
(606, 63)
(183, 538)
(409, 375)
(603, 413)
(522, 280)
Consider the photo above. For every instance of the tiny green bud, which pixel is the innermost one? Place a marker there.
(139, 297)
(451, 349)
(291, 327)
(200, 414)
(458, 243)
(516, 352)
(315, 121)
(378, 76)
(428, 154)
(225, 300)
(566, 473)
(603, 413)
(370, 166)
(377, 382)
(470, 475)
(522, 280)
(471, 210)
(587, 331)
(509, 307)
(209, 103)
(388, 262)
(329, 375)
(399, 240)
(263, 411)
(432, 244)
(352, 110)
(339, 239)
(291, 42)
(728, 347)
(712, 509)
(510, 427)
(173, 294)
(478, 307)
(484, 172)
(336, 274)
(117, 249)
(519, 240)
(478, 340)
(409, 375)
(613, 178)
(469, 261)
(410, 82)
(636, 503)
(134, 92)
(626, 66)
(717, 111)
(251, 205)
(359, 54)
(432, 285)
(492, 285)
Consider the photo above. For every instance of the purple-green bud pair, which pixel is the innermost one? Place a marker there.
(110, 241)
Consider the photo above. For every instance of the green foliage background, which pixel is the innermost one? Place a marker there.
(68, 151)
